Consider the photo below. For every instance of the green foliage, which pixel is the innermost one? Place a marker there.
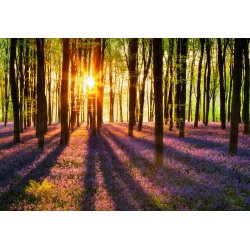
(37, 190)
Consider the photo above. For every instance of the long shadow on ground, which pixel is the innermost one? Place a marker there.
(215, 199)
(126, 193)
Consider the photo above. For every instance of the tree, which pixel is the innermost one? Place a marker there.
(157, 70)
(132, 66)
(97, 77)
(202, 42)
(64, 93)
(221, 63)
(238, 56)
(41, 99)
(14, 89)
(208, 48)
(245, 111)
(146, 65)
(183, 66)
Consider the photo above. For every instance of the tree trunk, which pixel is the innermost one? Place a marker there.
(208, 48)
(191, 88)
(245, 114)
(21, 80)
(222, 89)
(64, 93)
(41, 99)
(238, 56)
(97, 76)
(170, 95)
(178, 83)
(183, 66)
(158, 63)
(133, 50)
(14, 89)
(197, 108)
(146, 65)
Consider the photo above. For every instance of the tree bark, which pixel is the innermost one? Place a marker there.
(41, 99)
(158, 63)
(64, 93)
(245, 112)
(14, 89)
(202, 42)
(238, 56)
(208, 48)
(146, 66)
(183, 66)
(133, 50)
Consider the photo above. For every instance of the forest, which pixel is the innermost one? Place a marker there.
(124, 124)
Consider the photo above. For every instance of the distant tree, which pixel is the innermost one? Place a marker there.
(21, 81)
(132, 66)
(97, 76)
(178, 82)
(238, 56)
(208, 53)
(14, 89)
(146, 66)
(182, 79)
(157, 70)
(202, 43)
(221, 65)
(245, 114)
(170, 95)
(64, 93)
(41, 99)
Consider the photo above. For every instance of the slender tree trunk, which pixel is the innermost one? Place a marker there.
(245, 114)
(21, 80)
(133, 50)
(41, 99)
(97, 74)
(202, 42)
(158, 64)
(191, 88)
(178, 83)
(230, 93)
(204, 93)
(238, 56)
(222, 89)
(72, 86)
(64, 93)
(183, 66)
(111, 95)
(170, 96)
(14, 90)
(146, 63)
(208, 48)
(6, 84)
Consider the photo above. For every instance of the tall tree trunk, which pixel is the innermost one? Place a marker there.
(197, 108)
(111, 95)
(230, 93)
(222, 89)
(178, 83)
(21, 80)
(208, 48)
(72, 86)
(170, 95)
(183, 66)
(41, 99)
(6, 84)
(245, 114)
(158, 63)
(191, 88)
(97, 76)
(133, 50)
(146, 65)
(238, 56)
(64, 93)
(204, 93)
(14, 89)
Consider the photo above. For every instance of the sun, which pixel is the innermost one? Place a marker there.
(90, 82)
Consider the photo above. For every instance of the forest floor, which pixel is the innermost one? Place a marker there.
(111, 171)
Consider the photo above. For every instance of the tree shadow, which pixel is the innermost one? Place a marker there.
(218, 202)
(38, 173)
(12, 163)
(125, 192)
